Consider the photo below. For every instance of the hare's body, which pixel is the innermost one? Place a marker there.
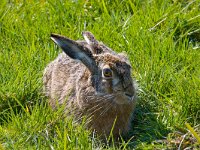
(99, 86)
(59, 79)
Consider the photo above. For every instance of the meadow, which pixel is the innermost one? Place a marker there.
(162, 40)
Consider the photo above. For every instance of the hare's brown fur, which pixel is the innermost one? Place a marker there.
(86, 96)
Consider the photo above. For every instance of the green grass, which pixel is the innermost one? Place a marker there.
(162, 39)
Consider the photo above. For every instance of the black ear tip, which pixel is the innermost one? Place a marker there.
(53, 35)
(58, 37)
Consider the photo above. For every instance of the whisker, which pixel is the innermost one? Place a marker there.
(92, 113)
(95, 106)
(99, 99)
(101, 103)
(81, 115)
(105, 110)
(100, 108)
(98, 104)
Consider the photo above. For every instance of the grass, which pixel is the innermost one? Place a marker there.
(162, 41)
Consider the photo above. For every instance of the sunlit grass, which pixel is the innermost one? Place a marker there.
(161, 39)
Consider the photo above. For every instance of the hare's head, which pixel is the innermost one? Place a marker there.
(110, 73)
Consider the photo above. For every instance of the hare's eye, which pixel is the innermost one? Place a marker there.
(107, 72)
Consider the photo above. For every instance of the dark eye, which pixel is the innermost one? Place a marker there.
(107, 72)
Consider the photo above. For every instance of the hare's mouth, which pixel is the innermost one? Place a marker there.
(119, 97)
(124, 98)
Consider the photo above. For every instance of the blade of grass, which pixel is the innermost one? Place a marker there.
(193, 132)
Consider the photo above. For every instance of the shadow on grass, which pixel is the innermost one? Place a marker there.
(146, 127)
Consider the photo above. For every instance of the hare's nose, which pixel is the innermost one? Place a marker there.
(129, 95)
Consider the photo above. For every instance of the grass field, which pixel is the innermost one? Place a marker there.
(162, 40)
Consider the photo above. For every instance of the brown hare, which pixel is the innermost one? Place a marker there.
(98, 85)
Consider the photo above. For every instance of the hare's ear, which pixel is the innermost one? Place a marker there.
(90, 39)
(76, 51)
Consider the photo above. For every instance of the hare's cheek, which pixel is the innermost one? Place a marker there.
(120, 99)
(117, 85)
(107, 86)
(115, 81)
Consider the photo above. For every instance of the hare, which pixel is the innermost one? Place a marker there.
(99, 85)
